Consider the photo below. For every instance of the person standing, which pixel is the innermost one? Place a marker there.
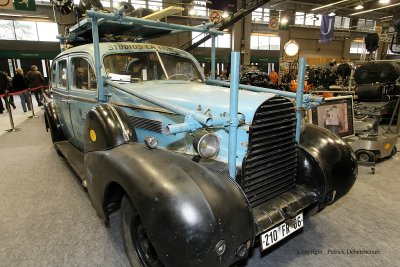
(312, 76)
(273, 77)
(36, 79)
(20, 83)
(4, 88)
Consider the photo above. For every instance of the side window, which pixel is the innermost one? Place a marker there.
(84, 77)
(53, 74)
(62, 74)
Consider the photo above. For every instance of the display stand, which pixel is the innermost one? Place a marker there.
(13, 129)
(368, 164)
(32, 109)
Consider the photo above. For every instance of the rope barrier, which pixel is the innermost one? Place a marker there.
(25, 90)
(7, 100)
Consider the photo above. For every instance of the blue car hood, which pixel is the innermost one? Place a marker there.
(191, 94)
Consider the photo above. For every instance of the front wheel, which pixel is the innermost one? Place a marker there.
(365, 156)
(138, 247)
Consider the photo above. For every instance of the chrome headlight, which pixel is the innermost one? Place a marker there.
(206, 145)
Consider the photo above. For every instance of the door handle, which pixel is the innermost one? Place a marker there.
(66, 101)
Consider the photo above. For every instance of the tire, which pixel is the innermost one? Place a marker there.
(138, 247)
(56, 136)
(312, 210)
(394, 151)
(365, 156)
(53, 135)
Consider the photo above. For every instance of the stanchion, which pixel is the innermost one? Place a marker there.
(30, 101)
(13, 129)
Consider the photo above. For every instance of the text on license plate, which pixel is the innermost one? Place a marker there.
(275, 235)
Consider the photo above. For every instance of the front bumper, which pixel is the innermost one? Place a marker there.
(283, 207)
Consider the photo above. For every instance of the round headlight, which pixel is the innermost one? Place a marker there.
(206, 145)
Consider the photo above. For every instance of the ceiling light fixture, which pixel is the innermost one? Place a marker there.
(291, 48)
(225, 15)
(25, 16)
(192, 12)
(384, 1)
(284, 20)
(387, 17)
(359, 6)
(332, 14)
(328, 5)
(374, 9)
(314, 18)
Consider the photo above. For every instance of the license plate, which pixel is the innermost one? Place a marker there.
(280, 232)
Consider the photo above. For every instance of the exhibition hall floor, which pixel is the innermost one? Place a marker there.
(47, 219)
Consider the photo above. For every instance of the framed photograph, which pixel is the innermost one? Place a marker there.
(336, 115)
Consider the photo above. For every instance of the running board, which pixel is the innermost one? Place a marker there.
(74, 158)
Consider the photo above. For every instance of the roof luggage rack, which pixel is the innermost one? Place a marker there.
(117, 27)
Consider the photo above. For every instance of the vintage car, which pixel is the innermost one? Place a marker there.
(180, 207)
(257, 78)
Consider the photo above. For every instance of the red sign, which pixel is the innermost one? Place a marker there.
(215, 17)
(274, 23)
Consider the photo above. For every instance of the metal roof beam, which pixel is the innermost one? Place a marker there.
(253, 5)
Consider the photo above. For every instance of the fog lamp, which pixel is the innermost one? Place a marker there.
(206, 145)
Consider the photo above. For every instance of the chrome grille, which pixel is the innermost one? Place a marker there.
(270, 166)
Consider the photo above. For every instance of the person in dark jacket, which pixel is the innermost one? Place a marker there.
(36, 79)
(20, 83)
(4, 88)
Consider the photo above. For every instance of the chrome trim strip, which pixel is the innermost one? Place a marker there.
(155, 109)
(84, 99)
(60, 94)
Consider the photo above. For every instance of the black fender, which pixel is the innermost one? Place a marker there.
(52, 122)
(186, 208)
(107, 126)
(327, 163)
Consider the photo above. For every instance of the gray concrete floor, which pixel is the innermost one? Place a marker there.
(46, 219)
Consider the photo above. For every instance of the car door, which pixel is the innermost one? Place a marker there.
(82, 94)
(61, 96)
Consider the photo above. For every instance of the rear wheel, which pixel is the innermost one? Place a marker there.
(394, 151)
(138, 246)
(53, 135)
(365, 156)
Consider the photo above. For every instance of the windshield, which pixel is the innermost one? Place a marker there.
(134, 67)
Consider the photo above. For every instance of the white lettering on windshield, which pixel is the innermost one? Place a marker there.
(144, 46)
